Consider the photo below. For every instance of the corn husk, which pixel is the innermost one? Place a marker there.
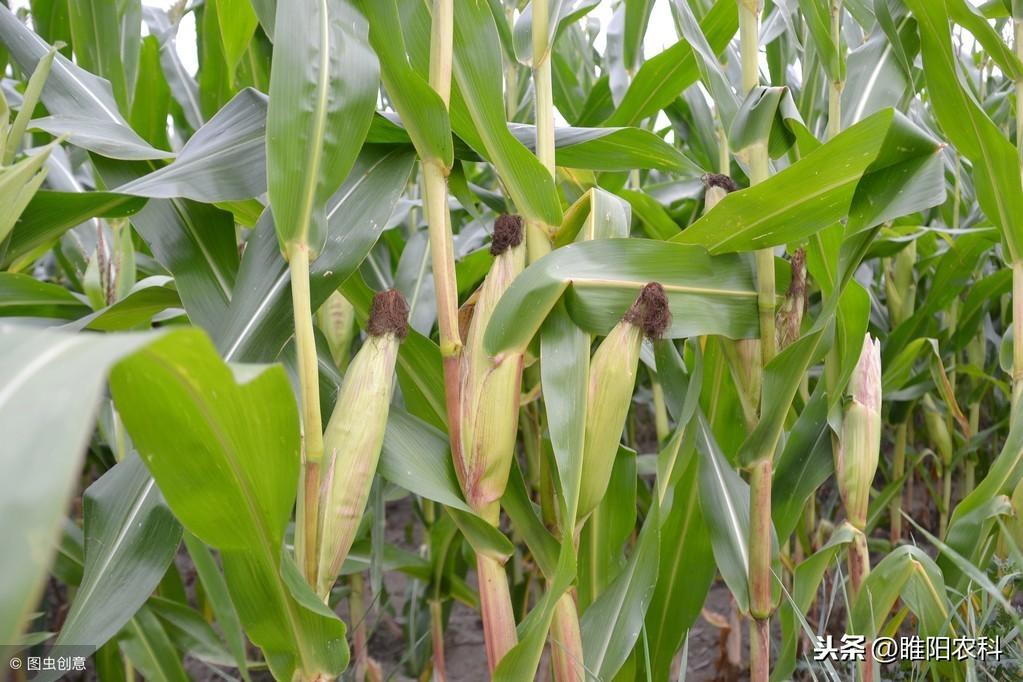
(937, 430)
(336, 319)
(490, 386)
(355, 434)
(612, 380)
(860, 440)
(789, 318)
(900, 286)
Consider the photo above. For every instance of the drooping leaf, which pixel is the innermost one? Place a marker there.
(225, 160)
(38, 369)
(664, 77)
(423, 113)
(81, 104)
(225, 455)
(477, 70)
(258, 322)
(707, 294)
(859, 173)
(995, 161)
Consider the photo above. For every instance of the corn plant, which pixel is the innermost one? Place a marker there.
(395, 312)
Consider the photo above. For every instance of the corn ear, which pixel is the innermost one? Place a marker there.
(860, 441)
(718, 186)
(355, 434)
(336, 319)
(900, 284)
(789, 318)
(937, 430)
(612, 380)
(490, 386)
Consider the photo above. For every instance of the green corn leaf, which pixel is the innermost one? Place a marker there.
(606, 531)
(597, 214)
(236, 489)
(564, 367)
(130, 540)
(817, 16)
(601, 279)
(81, 104)
(477, 71)
(995, 161)
(684, 574)
(883, 167)
(521, 662)
(216, 591)
(24, 296)
(323, 90)
(225, 160)
(724, 499)
(611, 625)
(652, 215)
(806, 581)
(423, 113)
(258, 322)
(149, 648)
(417, 457)
(664, 77)
(34, 365)
(238, 23)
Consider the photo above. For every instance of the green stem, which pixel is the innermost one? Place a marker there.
(1017, 333)
(946, 499)
(437, 635)
(498, 617)
(1017, 268)
(859, 569)
(538, 235)
(360, 639)
(566, 642)
(761, 473)
(898, 471)
(307, 515)
(661, 425)
(835, 87)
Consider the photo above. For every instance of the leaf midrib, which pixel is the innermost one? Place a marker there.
(319, 128)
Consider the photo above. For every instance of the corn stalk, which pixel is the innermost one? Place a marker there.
(760, 575)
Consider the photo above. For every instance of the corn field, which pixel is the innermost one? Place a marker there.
(479, 339)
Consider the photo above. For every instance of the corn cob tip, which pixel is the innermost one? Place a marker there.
(865, 382)
(507, 233)
(719, 180)
(650, 311)
(389, 314)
